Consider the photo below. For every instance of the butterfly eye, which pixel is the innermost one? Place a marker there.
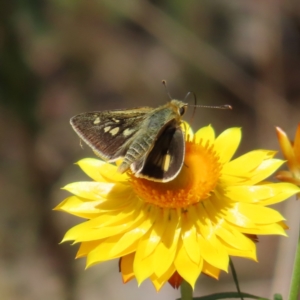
(182, 110)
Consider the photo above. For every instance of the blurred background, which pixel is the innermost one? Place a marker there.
(59, 58)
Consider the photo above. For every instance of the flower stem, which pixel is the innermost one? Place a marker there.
(235, 278)
(186, 291)
(295, 284)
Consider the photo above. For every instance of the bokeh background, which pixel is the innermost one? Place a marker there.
(59, 58)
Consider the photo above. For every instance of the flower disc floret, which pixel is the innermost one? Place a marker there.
(197, 179)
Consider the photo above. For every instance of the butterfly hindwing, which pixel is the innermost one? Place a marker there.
(166, 158)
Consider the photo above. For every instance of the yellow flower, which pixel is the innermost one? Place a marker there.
(291, 152)
(168, 231)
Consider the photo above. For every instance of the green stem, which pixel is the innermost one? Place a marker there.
(295, 284)
(235, 278)
(186, 291)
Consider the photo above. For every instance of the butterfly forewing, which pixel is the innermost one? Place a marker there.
(109, 133)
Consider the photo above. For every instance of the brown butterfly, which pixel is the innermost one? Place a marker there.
(150, 140)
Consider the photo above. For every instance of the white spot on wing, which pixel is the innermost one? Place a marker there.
(166, 162)
(97, 121)
(114, 131)
(107, 128)
(115, 120)
(128, 131)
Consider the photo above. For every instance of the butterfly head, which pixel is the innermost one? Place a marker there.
(179, 107)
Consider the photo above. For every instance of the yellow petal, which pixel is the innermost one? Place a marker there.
(258, 214)
(148, 245)
(101, 171)
(105, 226)
(130, 237)
(91, 166)
(274, 228)
(210, 270)
(126, 267)
(246, 163)
(164, 253)
(227, 143)
(236, 243)
(265, 169)
(189, 234)
(95, 190)
(234, 238)
(159, 281)
(205, 134)
(188, 130)
(213, 252)
(234, 216)
(80, 207)
(158, 284)
(122, 215)
(80, 229)
(287, 149)
(103, 252)
(187, 269)
(203, 222)
(248, 253)
(248, 193)
(265, 194)
(110, 173)
(211, 249)
(116, 201)
(86, 247)
(280, 192)
(143, 265)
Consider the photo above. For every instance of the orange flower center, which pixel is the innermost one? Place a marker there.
(196, 180)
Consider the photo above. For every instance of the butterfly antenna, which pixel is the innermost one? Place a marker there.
(164, 82)
(226, 106)
(195, 105)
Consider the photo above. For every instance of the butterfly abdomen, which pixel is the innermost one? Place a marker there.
(136, 151)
